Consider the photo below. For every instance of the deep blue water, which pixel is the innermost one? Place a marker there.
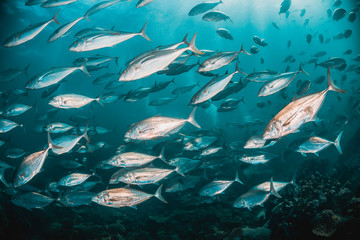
(325, 182)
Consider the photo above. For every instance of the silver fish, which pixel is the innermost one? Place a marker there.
(161, 101)
(34, 2)
(101, 5)
(73, 179)
(7, 125)
(224, 33)
(219, 60)
(16, 109)
(31, 200)
(213, 87)
(218, 186)
(279, 82)
(56, 3)
(28, 33)
(95, 60)
(216, 16)
(298, 112)
(67, 101)
(125, 197)
(58, 127)
(90, 31)
(203, 7)
(157, 127)
(142, 176)
(316, 144)
(257, 157)
(76, 198)
(258, 142)
(278, 186)
(32, 164)
(255, 197)
(68, 142)
(104, 39)
(132, 159)
(62, 30)
(14, 152)
(53, 76)
(261, 76)
(154, 62)
(142, 3)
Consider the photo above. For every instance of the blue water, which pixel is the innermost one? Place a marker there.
(188, 215)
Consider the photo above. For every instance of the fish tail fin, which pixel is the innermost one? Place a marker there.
(242, 100)
(55, 17)
(192, 120)
(192, 46)
(302, 70)
(238, 70)
(85, 132)
(161, 155)
(98, 99)
(243, 50)
(337, 142)
(178, 170)
(273, 190)
(142, 32)
(292, 182)
(117, 61)
(316, 64)
(198, 83)
(331, 84)
(221, 2)
(84, 69)
(158, 194)
(51, 144)
(173, 81)
(185, 39)
(237, 179)
(26, 70)
(86, 16)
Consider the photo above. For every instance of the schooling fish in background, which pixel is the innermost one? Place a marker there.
(12, 73)
(259, 41)
(29, 33)
(62, 30)
(213, 87)
(31, 200)
(7, 125)
(95, 60)
(154, 62)
(219, 60)
(279, 82)
(216, 16)
(203, 7)
(53, 76)
(34, 2)
(142, 3)
(258, 142)
(338, 14)
(104, 39)
(257, 157)
(285, 5)
(67, 101)
(73, 179)
(56, 3)
(101, 5)
(158, 127)
(15, 110)
(224, 33)
(58, 127)
(316, 144)
(218, 186)
(333, 62)
(184, 89)
(298, 112)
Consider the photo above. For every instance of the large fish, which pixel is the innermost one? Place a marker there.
(154, 62)
(213, 87)
(67, 101)
(32, 164)
(53, 76)
(158, 127)
(124, 197)
(316, 144)
(219, 60)
(279, 82)
(298, 112)
(203, 7)
(104, 39)
(28, 33)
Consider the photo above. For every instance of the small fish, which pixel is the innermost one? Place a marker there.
(62, 30)
(347, 33)
(216, 16)
(95, 60)
(161, 101)
(203, 7)
(278, 186)
(99, 6)
(320, 54)
(16, 109)
(213, 87)
(125, 197)
(224, 33)
(258, 142)
(29, 33)
(12, 73)
(31, 200)
(218, 186)
(321, 38)
(133, 159)
(67, 101)
(303, 87)
(7, 125)
(68, 142)
(254, 50)
(333, 62)
(285, 5)
(76, 198)
(302, 12)
(34, 2)
(257, 157)
(316, 144)
(184, 89)
(199, 143)
(338, 14)
(53, 76)
(14, 153)
(157, 127)
(219, 60)
(308, 38)
(298, 112)
(352, 16)
(56, 3)
(275, 25)
(348, 52)
(58, 127)
(73, 179)
(259, 41)
(255, 197)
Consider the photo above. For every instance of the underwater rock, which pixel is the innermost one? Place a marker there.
(325, 223)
